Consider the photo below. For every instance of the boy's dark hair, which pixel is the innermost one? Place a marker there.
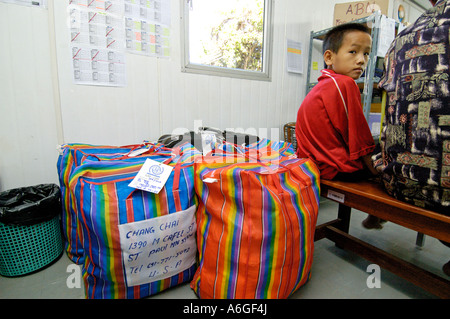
(333, 38)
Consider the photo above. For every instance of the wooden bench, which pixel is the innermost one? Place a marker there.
(370, 197)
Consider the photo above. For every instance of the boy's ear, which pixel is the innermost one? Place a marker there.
(328, 57)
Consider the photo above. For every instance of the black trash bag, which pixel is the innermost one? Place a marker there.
(30, 205)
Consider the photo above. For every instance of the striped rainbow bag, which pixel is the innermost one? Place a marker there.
(104, 203)
(255, 224)
(71, 156)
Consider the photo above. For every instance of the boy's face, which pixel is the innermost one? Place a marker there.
(353, 55)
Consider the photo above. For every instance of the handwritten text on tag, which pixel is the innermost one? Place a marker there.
(152, 176)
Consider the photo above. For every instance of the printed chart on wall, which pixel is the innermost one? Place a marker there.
(29, 3)
(97, 42)
(102, 32)
(147, 27)
(294, 57)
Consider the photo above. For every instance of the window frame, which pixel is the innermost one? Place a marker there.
(264, 75)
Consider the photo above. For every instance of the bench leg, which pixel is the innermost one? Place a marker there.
(344, 214)
(420, 240)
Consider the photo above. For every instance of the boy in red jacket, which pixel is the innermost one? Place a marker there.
(331, 128)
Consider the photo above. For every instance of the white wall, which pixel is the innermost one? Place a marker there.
(40, 107)
(28, 125)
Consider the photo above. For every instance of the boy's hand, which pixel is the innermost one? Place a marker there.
(367, 159)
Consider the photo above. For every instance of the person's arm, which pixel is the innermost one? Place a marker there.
(367, 159)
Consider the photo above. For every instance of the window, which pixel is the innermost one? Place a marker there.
(227, 38)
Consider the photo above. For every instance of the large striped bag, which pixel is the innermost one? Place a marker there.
(105, 204)
(71, 156)
(255, 222)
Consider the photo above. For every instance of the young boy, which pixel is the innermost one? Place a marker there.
(331, 128)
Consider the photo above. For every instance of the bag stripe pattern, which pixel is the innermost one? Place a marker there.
(72, 156)
(255, 223)
(103, 201)
(103, 271)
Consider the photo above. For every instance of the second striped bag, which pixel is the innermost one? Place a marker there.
(255, 225)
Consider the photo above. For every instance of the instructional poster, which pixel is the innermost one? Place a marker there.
(97, 42)
(102, 31)
(294, 57)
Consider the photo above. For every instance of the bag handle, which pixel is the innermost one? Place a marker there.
(126, 156)
(132, 146)
(154, 149)
(245, 150)
(261, 161)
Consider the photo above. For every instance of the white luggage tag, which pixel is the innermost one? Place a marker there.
(208, 142)
(152, 176)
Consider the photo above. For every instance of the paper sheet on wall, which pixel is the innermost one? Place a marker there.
(294, 57)
(147, 27)
(158, 248)
(97, 42)
(386, 35)
(29, 3)
(102, 31)
(401, 27)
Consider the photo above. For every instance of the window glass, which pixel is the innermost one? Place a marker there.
(230, 37)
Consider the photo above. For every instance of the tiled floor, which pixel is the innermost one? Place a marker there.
(335, 273)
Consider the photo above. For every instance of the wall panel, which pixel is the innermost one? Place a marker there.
(28, 135)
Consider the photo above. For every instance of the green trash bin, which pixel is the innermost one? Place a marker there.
(30, 229)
